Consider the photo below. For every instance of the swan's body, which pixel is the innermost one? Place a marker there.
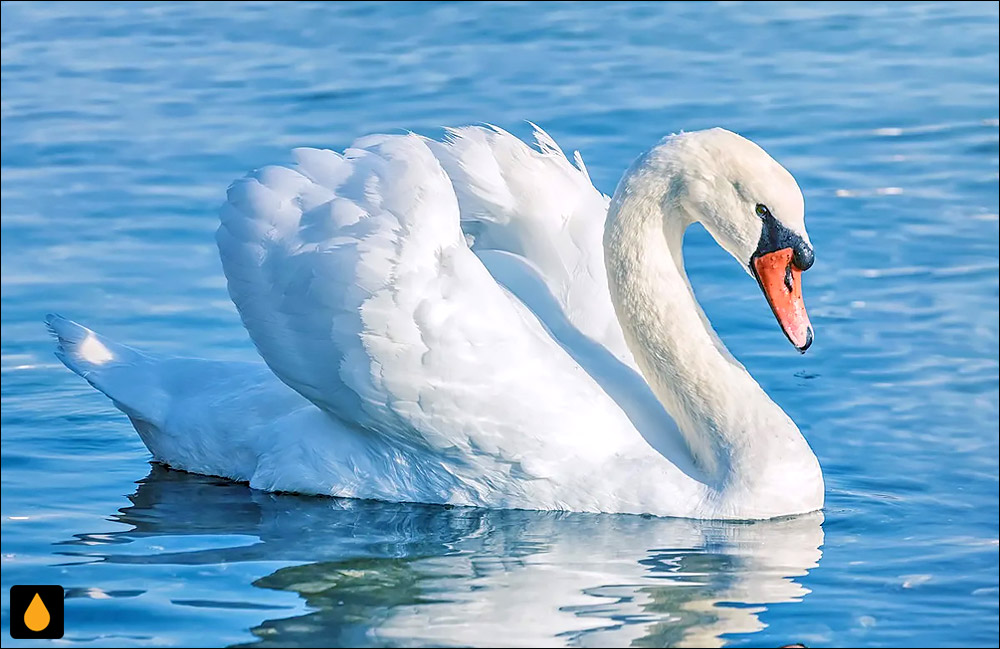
(404, 365)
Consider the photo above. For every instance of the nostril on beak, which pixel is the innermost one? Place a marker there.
(803, 257)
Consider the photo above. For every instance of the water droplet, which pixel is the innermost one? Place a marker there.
(36, 617)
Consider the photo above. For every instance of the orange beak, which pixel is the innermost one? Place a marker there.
(781, 282)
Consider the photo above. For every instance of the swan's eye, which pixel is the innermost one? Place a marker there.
(762, 210)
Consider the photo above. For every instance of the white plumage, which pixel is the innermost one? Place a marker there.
(415, 367)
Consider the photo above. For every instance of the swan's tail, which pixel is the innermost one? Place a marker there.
(125, 375)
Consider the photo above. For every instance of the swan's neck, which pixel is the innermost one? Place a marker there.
(734, 431)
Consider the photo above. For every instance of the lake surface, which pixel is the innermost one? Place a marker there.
(122, 125)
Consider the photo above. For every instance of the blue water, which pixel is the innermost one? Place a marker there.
(123, 124)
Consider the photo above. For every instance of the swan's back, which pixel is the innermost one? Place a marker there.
(355, 282)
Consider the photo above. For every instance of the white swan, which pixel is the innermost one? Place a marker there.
(414, 367)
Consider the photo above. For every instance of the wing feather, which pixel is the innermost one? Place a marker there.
(535, 203)
(354, 279)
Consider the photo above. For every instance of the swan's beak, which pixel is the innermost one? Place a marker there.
(781, 281)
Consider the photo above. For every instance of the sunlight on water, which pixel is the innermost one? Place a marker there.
(123, 125)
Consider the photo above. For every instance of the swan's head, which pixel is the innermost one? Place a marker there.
(753, 208)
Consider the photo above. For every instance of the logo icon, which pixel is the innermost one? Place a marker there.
(36, 612)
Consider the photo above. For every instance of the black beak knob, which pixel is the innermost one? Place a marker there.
(803, 256)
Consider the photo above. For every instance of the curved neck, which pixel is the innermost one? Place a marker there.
(717, 405)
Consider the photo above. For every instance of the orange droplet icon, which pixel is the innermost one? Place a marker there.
(36, 616)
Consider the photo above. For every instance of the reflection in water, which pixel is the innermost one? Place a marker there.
(395, 574)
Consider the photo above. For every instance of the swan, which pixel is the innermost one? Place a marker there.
(468, 321)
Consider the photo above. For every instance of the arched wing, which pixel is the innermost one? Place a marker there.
(352, 275)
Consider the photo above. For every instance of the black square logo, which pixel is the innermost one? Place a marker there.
(36, 612)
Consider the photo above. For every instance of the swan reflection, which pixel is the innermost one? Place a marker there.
(393, 574)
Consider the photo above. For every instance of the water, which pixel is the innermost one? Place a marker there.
(123, 124)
